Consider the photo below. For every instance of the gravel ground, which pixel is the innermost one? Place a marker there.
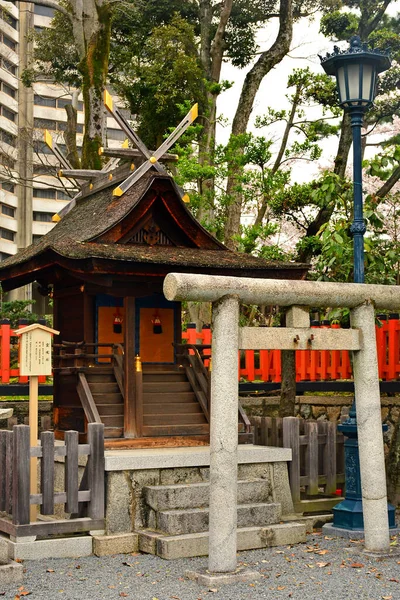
(323, 568)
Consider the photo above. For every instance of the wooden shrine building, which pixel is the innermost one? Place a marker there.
(104, 264)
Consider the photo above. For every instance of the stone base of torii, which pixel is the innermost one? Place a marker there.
(226, 293)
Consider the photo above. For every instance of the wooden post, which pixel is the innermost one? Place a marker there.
(33, 425)
(129, 373)
(139, 395)
(291, 439)
(311, 430)
(95, 467)
(21, 468)
(47, 472)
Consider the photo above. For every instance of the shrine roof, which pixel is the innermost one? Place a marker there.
(96, 226)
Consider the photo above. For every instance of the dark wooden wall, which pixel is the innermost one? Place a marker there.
(71, 314)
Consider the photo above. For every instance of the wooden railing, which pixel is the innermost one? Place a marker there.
(78, 356)
(118, 365)
(316, 471)
(15, 496)
(87, 400)
(192, 357)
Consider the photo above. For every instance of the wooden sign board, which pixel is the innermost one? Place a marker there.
(35, 350)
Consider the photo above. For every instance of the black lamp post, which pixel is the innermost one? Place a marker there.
(356, 71)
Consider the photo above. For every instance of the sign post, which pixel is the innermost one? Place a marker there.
(35, 360)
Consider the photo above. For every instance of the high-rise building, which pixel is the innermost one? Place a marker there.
(30, 190)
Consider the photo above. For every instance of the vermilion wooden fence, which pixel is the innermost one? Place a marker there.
(254, 365)
(313, 365)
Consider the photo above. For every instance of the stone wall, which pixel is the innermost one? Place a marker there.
(21, 410)
(324, 408)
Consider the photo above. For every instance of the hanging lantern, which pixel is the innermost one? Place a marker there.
(117, 323)
(156, 321)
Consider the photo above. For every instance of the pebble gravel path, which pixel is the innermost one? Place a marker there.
(323, 568)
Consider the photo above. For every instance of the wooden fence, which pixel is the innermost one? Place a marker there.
(316, 472)
(85, 502)
(314, 365)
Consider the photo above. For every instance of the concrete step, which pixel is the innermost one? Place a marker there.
(196, 544)
(196, 495)
(195, 520)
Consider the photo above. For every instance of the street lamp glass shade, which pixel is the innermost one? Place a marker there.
(356, 84)
(356, 71)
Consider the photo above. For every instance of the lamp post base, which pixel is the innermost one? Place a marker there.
(348, 514)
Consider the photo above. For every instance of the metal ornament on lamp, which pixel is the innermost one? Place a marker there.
(356, 70)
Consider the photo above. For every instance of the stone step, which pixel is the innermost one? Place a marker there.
(195, 520)
(196, 544)
(196, 495)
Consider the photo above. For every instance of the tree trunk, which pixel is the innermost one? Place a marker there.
(254, 77)
(287, 402)
(211, 55)
(94, 69)
(70, 137)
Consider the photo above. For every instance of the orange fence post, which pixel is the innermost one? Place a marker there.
(21, 378)
(314, 356)
(207, 339)
(5, 330)
(324, 354)
(381, 335)
(249, 358)
(393, 346)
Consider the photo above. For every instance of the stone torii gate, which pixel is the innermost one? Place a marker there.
(225, 293)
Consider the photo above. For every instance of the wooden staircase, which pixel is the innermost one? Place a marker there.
(170, 406)
(108, 399)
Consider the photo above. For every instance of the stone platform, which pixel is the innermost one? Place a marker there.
(162, 495)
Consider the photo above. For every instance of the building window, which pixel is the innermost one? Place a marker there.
(43, 217)
(47, 193)
(8, 42)
(8, 114)
(9, 211)
(62, 126)
(44, 101)
(62, 196)
(41, 148)
(9, 66)
(6, 234)
(116, 134)
(8, 138)
(44, 11)
(7, 89)
(45, 124)
(7, 161)
(4, 255)
(7, 18)
(62, 103)
(36, 238)
(39, 29)
(8, 186)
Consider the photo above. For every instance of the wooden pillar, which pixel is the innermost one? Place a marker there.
(130, 428)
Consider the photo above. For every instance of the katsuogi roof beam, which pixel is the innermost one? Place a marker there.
(152, 159)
